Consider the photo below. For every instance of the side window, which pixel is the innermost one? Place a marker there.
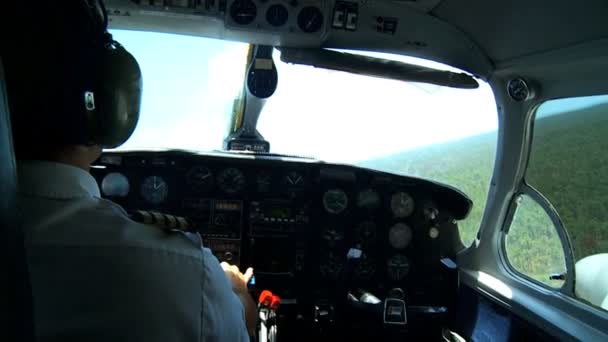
(532, 244)
(568, 165)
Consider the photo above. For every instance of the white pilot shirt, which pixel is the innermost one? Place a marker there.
(98, 276)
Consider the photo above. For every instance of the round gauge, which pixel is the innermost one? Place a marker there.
(294, 180)
(398, 267)
(200, 177)
(310, 19)
(332, 236)
(518, 89)
(154, 189)
(277, 15)
(335, 201)
(366, 267)
(294, 183)
(263, 181)
(115, 184)
(231, 180)
(331, 266)
(366, 232)
(400, 235)
(243, 12)
(402, 204)
(368, 199)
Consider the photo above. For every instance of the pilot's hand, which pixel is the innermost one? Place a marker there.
(237, 279)
(239, 285)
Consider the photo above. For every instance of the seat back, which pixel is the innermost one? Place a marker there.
(16, 323)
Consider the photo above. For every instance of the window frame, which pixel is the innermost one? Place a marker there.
(525, 189)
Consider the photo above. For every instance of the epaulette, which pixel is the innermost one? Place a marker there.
(161, 220)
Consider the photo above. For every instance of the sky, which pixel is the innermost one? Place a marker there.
(190, 84)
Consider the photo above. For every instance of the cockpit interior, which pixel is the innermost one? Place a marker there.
(392, 170)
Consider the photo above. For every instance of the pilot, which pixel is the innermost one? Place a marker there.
(96, 274)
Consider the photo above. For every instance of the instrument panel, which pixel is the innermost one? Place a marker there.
(295, 220)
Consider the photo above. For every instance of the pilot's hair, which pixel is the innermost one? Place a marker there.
(36, 51)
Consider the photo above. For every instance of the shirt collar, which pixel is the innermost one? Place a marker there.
(55, 180)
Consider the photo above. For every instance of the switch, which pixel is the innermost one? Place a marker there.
(387, 25)
(339, 14)
(351, 21)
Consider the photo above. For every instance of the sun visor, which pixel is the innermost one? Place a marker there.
(376, 67)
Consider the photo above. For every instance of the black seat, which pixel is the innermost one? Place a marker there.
(16, 323)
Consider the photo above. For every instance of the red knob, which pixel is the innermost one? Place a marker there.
(265, 298)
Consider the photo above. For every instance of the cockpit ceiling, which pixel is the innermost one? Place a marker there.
(512, 29)
(478, 36)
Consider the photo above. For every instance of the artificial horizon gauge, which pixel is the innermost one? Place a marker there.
(332, 236)
(231, 180)
(400, 235)
(368, 199)
(335, 201)
(402, 204)
(115, 184)
(154, 189)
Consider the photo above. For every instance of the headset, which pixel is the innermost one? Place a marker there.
(102, 87)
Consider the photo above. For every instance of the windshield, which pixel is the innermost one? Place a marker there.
(438, 133)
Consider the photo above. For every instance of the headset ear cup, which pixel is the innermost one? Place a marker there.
(117, 98)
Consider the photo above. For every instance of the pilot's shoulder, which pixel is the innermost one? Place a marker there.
(146, 229)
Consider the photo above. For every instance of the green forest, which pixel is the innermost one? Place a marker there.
(567, 165)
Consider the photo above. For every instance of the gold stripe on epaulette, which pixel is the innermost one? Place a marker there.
(171, 221)
(183, 224)
(147, 218)
(159, 219)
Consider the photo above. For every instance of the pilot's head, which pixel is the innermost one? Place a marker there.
(72, 90)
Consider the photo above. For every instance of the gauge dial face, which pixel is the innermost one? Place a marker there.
(332, 236)
(200, 177)
(400, 235)
(115, 184)
(294, 183)
(398, 267)
(335, 201)
(294, 179)
(277, 15)
(402, 204)
(518, 89)
(243, 12)
(366, 232)
(368, 199)
(154, 189)
(310, 19)
(231, 180)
